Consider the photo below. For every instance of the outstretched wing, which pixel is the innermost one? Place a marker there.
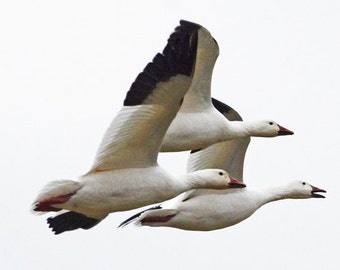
(135, 135)
(198, 97)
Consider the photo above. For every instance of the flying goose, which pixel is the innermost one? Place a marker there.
(125, 174)
(206, 209)
(198, 123)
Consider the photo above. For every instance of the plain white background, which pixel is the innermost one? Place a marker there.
(65, 67)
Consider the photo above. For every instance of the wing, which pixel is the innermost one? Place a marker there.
(227, 155)
(198, 97)
(135, 135)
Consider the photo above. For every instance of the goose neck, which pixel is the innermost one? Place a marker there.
(237, 129)
(194, 180)
(276, 193)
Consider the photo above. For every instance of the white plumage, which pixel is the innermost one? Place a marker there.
(125, 173)
(207, 209)
(198, 123)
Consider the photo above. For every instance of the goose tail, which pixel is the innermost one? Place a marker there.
(54, 193)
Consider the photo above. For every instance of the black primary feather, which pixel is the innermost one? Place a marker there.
(178, 57)
(134, 217)
(71, 221)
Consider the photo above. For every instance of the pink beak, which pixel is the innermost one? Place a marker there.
(284, 131)
(234, 183)
(315, 190)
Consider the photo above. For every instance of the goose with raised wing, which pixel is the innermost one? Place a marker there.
(125, 174)
(198, 123)
(206, 209)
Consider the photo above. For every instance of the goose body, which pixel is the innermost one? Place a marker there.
(198, 123)
(99, 194)
(125, 173)
(206, 209)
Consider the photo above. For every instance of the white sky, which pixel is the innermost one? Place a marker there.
(65, 67)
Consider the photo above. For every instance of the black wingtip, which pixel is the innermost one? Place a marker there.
(193, 26)
(134, 217)
(226, 110)
(178, 57)
(71, 221)
(195, 151)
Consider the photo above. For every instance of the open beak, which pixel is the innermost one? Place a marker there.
(315, 191)
(284, 131)
(234, 183)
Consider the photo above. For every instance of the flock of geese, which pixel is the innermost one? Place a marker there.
(168, 109)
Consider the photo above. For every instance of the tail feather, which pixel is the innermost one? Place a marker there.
(71, 221)
(56, 192)
(136, 216)
(46, 205)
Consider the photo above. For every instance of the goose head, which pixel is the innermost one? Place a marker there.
(214, 179)
(268, 128)
(304, 190)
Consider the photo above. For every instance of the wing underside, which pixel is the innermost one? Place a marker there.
(135, 135)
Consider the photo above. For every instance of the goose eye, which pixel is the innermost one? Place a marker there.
(220, 173)
(271, 123)
(303, 183)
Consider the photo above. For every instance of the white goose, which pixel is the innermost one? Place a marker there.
(198, 124)
(125, 174)
(205, 210)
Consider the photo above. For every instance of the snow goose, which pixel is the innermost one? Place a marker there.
(188, 131)
(125, 174)
(205, 210)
